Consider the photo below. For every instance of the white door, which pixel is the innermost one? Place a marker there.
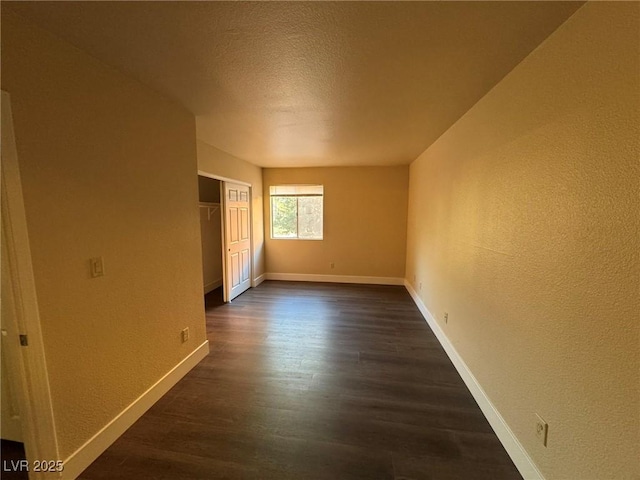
(237, 207)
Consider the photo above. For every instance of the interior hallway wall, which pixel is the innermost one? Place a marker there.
(109, 170)
(523, 226)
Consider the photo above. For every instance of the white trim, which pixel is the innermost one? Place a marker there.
(258, 280)
(202, 173)
(252, 239)
(38, 423)
(311, 277)
(211, 286)
(514, 448)
(79, 460)
(223, 240)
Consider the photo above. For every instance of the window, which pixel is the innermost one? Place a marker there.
(296, 211)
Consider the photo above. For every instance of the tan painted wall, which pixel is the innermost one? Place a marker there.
(523, 225)
(211, 233)
(108, 169)
(365, 219)
(217, 162)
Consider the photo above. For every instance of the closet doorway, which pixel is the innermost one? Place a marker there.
(225, 224)
(210, 233)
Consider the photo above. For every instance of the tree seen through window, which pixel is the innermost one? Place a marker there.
(296, 211)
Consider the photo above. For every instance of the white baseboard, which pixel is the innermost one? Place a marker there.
(211, 286)
(258, 280)
(96, 445)
(310, 277)
(514, 448)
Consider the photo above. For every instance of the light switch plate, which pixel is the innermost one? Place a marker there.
(97, 267)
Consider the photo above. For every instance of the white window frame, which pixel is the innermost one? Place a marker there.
(295, 191)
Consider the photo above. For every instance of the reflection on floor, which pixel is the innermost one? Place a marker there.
(313, 381)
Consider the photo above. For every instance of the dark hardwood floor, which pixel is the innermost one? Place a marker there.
(313, 381)
(12, 457)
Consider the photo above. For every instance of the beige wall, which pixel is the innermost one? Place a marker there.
(214, 161)
(108, 169)
(523, 226)
(211, 233)
(365, 222)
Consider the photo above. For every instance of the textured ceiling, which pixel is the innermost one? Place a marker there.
(311, 83)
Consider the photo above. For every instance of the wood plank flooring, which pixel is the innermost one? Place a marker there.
(12, 454)
(313, 381)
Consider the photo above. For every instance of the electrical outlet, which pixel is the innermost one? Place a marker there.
(542, 430)
(333, 265)
(446, 317)
(185, 334)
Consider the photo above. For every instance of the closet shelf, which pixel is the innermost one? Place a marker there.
(211, 208)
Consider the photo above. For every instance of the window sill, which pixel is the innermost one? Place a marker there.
(299, 239)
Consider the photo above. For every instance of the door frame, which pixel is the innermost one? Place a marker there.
(37, 418)
(222, 230)
(225, 189)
